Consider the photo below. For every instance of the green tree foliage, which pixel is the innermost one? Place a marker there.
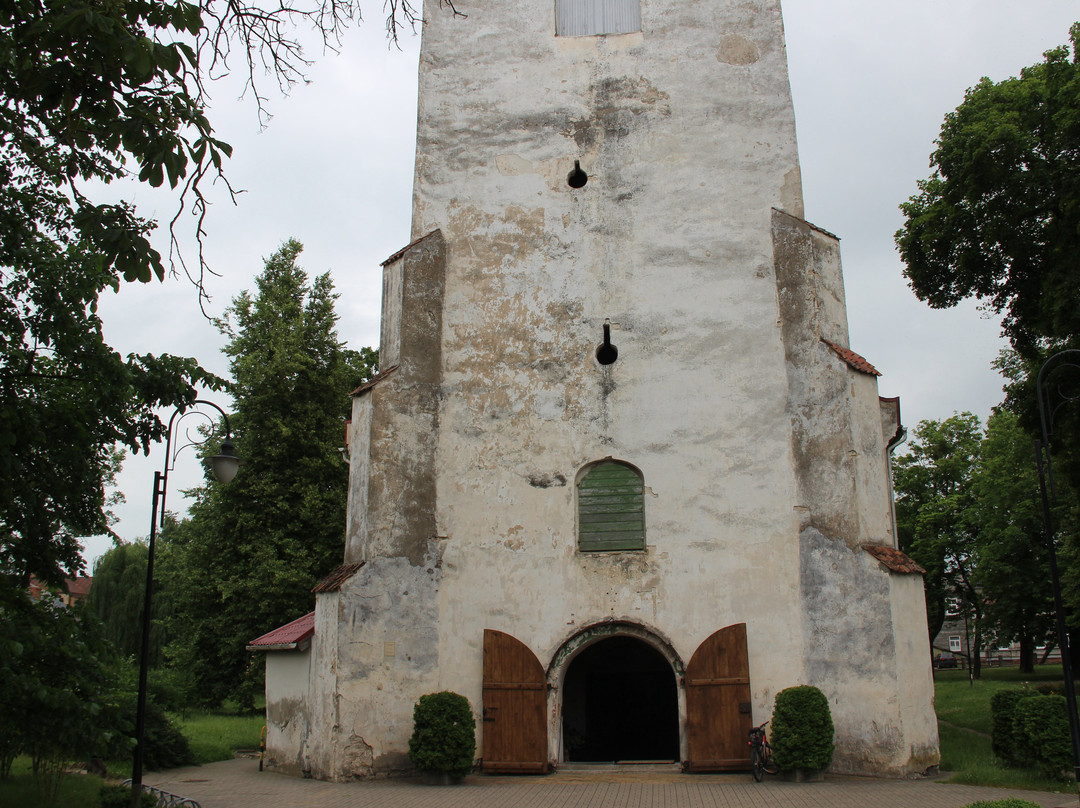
(116, 599)
(802, 735)
(247, 558)
(999, 218)
(61, 686)
(1013, 558)
(444, 734)
(933, 502)
(93, 92)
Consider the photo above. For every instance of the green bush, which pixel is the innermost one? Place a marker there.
(1011, 802)
(802, 729)
(444, 734)
(120, 797)
(1041, 726)
(164, 745)
(1003, 738)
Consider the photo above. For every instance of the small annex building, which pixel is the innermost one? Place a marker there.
(622, 477)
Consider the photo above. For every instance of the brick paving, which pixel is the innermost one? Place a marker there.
(239, 784)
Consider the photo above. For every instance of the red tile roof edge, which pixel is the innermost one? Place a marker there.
(286, 637)
(811, 225)
(374, 380)
(79, 586)
(407, 247)
(76, 587)
(854, 361)
(337, 578)
(894, 559)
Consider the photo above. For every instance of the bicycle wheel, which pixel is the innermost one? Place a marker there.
(768, 765)
(757, 764)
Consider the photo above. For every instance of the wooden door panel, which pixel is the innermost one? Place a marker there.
(515, 707)
(718, 714)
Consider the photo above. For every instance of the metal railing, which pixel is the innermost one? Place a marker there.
(165, 799)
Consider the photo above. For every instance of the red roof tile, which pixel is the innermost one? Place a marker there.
(336, 579)
(287, 636)
(893, 559)
(374, 380)
(406, 248)
(855, 361)
(79, 587)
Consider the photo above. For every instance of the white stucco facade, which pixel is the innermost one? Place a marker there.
(761, 444)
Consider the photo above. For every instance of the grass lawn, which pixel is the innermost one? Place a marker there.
(21, 791)
(217, 735)
(963, 709)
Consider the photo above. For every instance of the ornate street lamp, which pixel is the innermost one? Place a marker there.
(224, 465)
(1053, 395)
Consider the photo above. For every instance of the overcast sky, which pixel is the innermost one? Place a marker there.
(871, 84)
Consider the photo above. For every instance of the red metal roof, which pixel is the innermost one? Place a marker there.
(854, 361)
(893, 559)
(287, 636)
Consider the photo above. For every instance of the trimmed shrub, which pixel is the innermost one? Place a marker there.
(1011, 802)
(1003, 737)
(444, 734)
(120, 797)
(802, 729)
(1041, 726)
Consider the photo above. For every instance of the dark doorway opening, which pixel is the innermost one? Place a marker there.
(620, 703)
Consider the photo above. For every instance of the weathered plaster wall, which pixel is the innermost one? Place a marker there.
(395, 419)
(387, 635)
(914, 673)
(851, 606)
(288, 713)
(324, 742)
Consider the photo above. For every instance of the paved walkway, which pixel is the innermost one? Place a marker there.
(239, 784)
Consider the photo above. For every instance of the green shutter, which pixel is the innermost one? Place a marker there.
(611, 509)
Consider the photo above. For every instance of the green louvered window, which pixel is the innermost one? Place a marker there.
(611, 508)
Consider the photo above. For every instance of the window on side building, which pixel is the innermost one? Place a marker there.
(595, 17)
(611, 507)
(954, 644)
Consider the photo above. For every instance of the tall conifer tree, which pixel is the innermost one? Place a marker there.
(246, 559)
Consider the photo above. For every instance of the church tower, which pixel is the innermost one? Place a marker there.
(621, 478)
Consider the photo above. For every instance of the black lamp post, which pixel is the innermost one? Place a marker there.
(225, 465)
(1050, 401)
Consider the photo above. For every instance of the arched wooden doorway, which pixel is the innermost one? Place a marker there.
(524, 706)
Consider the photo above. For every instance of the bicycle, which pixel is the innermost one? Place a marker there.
(761, 759)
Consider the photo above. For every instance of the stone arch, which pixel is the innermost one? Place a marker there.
(590, 636)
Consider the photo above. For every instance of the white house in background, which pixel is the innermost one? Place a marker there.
(621, 478)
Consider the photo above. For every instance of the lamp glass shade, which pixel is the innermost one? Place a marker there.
(225, 464)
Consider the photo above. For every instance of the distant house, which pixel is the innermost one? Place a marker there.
(953, 645)
(75, 589)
